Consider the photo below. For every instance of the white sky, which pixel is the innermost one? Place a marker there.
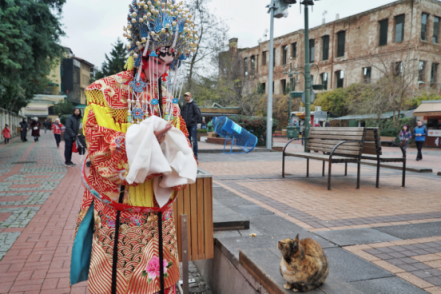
(92, 26)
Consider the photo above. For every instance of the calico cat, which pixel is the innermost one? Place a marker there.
(304, 265)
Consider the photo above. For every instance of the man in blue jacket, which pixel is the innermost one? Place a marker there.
(420, 133)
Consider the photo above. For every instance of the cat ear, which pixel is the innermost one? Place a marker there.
(293, 245)
(297, 238)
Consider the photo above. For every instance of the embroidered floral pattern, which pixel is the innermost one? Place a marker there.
(152, 269)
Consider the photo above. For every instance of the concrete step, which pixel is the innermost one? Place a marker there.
(225, 218)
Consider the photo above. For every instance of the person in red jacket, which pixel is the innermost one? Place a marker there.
(6, 133)
(57, 127)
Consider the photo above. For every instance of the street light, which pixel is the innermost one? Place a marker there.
(277, 9)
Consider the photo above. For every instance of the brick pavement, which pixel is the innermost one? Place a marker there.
(308, 203)
(40, 201)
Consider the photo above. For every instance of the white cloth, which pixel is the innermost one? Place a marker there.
(173, 158)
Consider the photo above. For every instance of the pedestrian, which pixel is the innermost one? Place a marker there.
(405, 136)
(35, 126)
(302, 130)
(420, 133)
(23, 130)
(190, 113)
(70, 134)
(6, 134)
(327, 124)
(56, 128)
(46, 125)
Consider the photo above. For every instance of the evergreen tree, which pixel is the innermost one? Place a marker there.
(30, 32)
(115, 63)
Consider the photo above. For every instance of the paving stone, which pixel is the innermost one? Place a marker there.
(413, 231)
(6, 241)
(392, 285)
(19, 218)
(349, 267)
(356, 236)
(251, 210)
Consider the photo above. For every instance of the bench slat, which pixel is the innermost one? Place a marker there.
(348, 129)
(334, 133)
(331, 146)
(340, 151)
(334, 142)
(321, 157)
(341, 138)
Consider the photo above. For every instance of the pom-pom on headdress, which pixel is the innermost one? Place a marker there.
(155, 24)
(156, 28)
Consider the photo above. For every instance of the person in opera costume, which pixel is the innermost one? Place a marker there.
(125, 237)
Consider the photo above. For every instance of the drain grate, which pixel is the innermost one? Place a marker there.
(21, 162)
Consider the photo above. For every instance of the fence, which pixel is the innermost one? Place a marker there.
(12, 119)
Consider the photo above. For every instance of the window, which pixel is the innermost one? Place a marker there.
(245, 66)
(253, 65)
(263, 89)
(340, 77)
(341, 43)
(398, 68)
(292, 84)
(424, 18)
(264, 58)
(399, 28)
(274, 59)
(325, 48)
(433, 74)
(421, 72)
(311, 50)
(283, 84)
(284, 54)
(435, 29)
(294, 50)
(273, 87)
(367, 74)
(384, 24)
(324, 78)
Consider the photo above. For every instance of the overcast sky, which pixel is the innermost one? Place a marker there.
(92, 26)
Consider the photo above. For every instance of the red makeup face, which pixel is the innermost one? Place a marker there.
(157, 66)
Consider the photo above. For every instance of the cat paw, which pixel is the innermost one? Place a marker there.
(287, 286)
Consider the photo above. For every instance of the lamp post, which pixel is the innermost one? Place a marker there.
(277, 9)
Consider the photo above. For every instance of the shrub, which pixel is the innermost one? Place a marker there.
(255, 125)
(389, 133)
(202, 131)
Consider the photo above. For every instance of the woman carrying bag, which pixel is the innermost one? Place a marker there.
(405, 136)
(35, 126)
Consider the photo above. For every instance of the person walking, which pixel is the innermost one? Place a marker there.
(70, 134)
(46, 125)
(56, 129)
(405, 136)
(35, 126)
(23, 130)
(190, 113)
(420, 133)
(6, 133)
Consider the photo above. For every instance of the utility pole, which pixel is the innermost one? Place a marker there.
(307, 77)
(269, 113)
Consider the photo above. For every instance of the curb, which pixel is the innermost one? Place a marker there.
(412, 169)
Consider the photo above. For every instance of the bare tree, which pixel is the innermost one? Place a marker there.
(212, 35)
(234, 86)
(392, 86)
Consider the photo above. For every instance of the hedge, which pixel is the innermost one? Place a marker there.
(255, 125)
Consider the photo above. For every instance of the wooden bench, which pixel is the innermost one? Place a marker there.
(339, 145)
(372, 151)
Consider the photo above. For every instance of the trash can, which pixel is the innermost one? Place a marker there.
(292, 132)
(210, 126)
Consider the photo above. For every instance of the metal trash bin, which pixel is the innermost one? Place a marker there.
(292, 132)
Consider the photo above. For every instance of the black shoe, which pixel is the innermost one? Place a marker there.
(88, 164)
(70, 164)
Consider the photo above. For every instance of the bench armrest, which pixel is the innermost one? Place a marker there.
(290, 143)
(341, 143)
(396, 144)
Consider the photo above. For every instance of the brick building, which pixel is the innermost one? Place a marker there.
(405, 29)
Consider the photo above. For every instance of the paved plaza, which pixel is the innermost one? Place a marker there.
(392, 229)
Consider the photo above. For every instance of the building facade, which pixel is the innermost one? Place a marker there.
(402, 34)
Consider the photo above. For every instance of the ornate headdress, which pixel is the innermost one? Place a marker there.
(156, 28)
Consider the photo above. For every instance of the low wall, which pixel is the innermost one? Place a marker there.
(12, 119)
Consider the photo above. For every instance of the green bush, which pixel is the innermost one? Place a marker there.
(255, 125)
(202, 131)
(389, 133)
